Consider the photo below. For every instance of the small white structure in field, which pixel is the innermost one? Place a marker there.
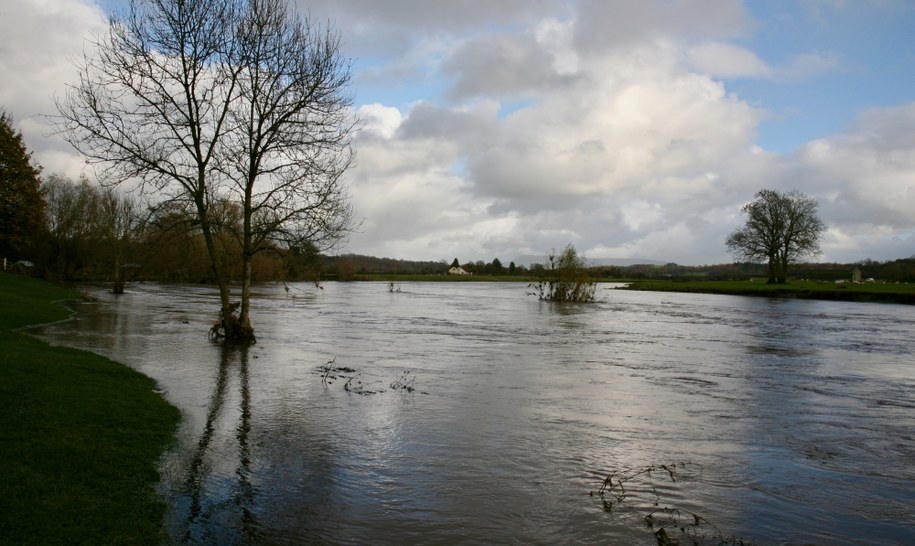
(457, 271)
(856, 275)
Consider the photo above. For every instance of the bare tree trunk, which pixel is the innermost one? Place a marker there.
(247, 252)
(244, 320)
(773, 270)
(783, 271)
(225, 325)
(118, 281)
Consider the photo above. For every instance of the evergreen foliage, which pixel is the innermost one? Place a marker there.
(21, 202)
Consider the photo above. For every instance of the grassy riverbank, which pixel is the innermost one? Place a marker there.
(867, 292)
(79, 434)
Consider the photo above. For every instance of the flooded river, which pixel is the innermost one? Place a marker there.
(472, 413)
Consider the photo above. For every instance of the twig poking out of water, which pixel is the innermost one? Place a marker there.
(330, 372)
(357, 387)
(669, 525)
(614, 484)
(405, 383)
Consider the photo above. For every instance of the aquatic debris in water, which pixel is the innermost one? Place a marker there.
(357, 387)
(405, 383)
(330, 372)
(669, 525)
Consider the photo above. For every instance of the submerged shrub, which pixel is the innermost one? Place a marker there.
(564, 278)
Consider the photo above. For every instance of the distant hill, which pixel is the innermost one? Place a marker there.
(370, 264)
(528, 260)
(902, 270)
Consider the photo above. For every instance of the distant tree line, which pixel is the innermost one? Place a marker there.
(90, 233)
(900, 270)
(76, 230)
(495, 268)
(349, 266)
(674, 271)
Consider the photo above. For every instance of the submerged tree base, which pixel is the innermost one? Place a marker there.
(231, 329)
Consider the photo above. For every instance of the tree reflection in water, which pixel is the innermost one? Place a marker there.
(197, 526)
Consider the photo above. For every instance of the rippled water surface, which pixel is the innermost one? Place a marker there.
(794, 419)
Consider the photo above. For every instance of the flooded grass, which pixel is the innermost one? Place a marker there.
(80, 437)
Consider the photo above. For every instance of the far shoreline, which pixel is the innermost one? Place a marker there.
(897, 293)
(903, 294)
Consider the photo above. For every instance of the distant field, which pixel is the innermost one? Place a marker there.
(866, 292)
(386, 277)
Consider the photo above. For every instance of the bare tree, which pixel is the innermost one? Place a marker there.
(287, 159)
(116, 223)
(780, 228)
(72, 207)
(211, 102)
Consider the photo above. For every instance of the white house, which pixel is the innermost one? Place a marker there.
(457, 271)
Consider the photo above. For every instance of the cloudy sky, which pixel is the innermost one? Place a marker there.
(631, 129)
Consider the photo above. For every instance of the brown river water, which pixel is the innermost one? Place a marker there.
(471, 413)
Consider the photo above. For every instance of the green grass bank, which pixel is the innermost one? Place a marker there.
(80, 435)
(865, 292)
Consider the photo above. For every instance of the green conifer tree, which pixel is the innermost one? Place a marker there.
(21, 202)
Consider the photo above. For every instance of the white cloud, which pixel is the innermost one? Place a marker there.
(393, 27)
(603, 25)
(640, 213)
(728, 61)
(631, 121)
(866, 175)
(501, 65)
(379, 119)
(635, 152)
(723, 60)
(532, 124)
(39, 39)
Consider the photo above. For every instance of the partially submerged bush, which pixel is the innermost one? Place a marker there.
(565, 277)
